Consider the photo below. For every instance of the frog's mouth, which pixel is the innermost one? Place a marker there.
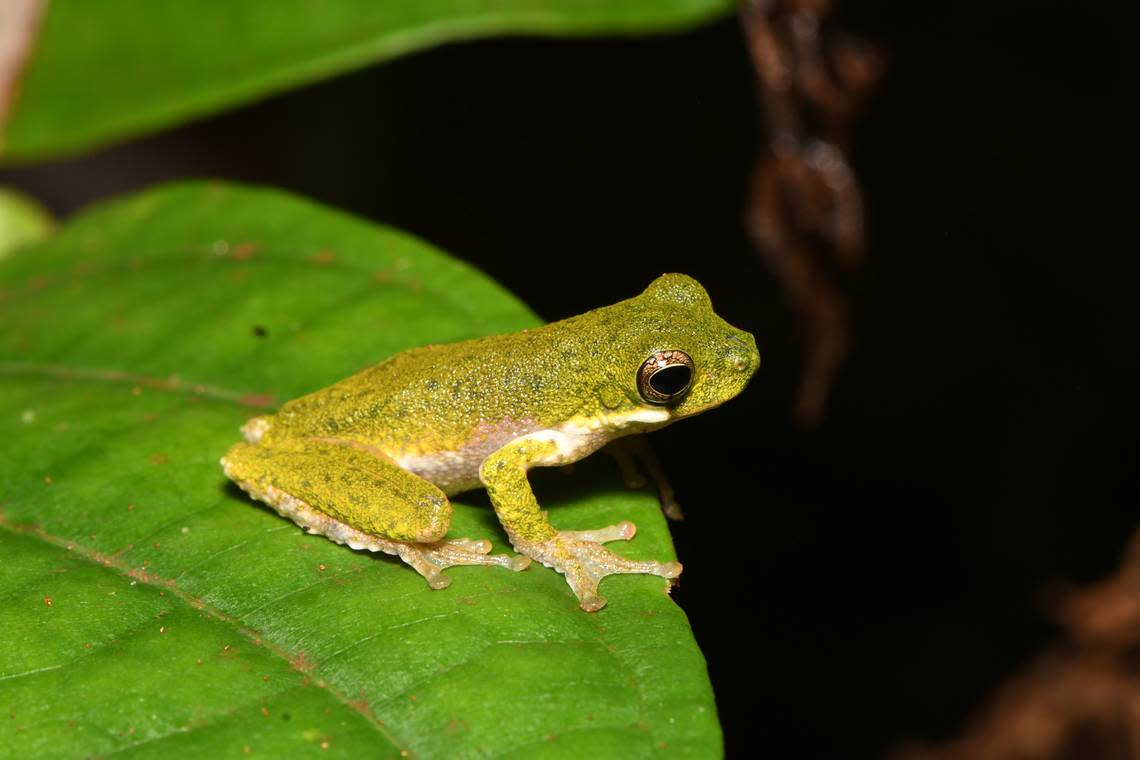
(690, 405)
(681, 410)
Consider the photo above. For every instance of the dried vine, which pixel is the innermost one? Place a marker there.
(805, 210)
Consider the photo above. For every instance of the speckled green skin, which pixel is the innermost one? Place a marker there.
(483, 411)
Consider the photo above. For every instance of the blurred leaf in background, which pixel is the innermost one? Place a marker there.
(102, 70)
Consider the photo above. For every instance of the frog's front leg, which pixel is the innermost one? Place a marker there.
(361, 499)
(578, 555)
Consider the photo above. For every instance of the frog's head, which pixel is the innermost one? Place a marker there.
(676, 355)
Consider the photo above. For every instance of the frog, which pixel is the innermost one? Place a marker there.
(371, 461)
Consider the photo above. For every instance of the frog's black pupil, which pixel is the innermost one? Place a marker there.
(669, 381)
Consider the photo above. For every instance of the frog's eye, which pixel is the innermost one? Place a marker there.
(665, 376)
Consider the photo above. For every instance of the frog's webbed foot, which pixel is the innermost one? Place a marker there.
(580, 556)
(430, 560)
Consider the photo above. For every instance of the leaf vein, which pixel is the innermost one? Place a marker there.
(79, 550)
(173, 384)
(33, 671)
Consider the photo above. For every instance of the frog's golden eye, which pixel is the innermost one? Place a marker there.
(665, 376)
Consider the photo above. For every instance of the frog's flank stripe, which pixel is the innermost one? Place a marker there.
(174, 384)
(146, 577)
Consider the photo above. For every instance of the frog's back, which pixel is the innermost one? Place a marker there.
(438, 397)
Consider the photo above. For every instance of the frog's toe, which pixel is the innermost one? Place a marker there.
(479, 545)
(623, 531)
(424, 563)
(438, 581)
(482, 546)
(591, 602)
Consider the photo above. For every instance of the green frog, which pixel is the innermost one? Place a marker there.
(371, 460)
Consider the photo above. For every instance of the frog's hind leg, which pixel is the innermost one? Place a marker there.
(634, 454)
(361, 499)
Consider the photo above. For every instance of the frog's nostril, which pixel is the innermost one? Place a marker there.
(740, 354)
(738, 360)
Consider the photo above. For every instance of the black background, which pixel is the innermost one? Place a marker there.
(874, 579)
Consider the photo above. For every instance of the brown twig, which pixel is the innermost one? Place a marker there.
(805, 210)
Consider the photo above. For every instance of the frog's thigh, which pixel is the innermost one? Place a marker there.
(311, 481)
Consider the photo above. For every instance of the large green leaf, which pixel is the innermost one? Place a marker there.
(105, 69)
(150, 608)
